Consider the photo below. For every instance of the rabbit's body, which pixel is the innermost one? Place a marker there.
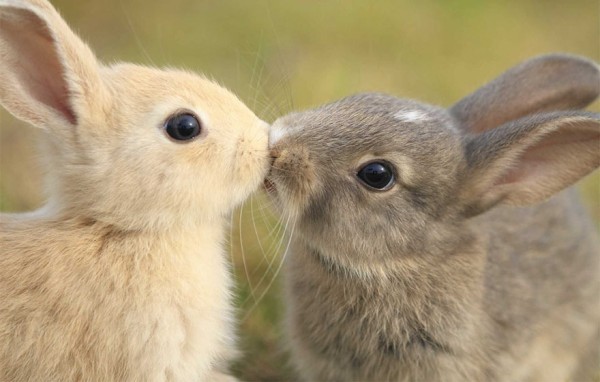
(438, 245)
(122, 275)
(447, 322)
(544, 311)
(103, 304)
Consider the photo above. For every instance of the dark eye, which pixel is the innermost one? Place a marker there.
(183, 127)
(377, 175)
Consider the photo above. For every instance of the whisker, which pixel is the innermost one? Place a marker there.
(282, 63)
(284, 170)
(270, 109)
(251, 83)
(265, 253)
(272, 261)
(136, 37)
(275, 276)
(278, 227)
(230, 240)
(244, 255)
(265, 221)
(262, 250)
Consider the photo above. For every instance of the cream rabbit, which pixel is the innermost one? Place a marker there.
(434, 244)
(121, 275)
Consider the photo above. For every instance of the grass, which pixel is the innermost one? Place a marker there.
(280, 56)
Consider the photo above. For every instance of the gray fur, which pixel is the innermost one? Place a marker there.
(545, 83)
(476, 265)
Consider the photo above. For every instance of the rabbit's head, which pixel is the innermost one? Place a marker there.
(136, 147)
(372, 177)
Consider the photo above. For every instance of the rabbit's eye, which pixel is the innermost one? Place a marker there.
(183, 127)
(377, 175)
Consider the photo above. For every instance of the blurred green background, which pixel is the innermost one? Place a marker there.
(284, 55)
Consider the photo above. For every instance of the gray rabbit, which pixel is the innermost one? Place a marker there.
(439, 244)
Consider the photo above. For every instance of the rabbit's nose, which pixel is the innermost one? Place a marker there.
(274, 153)
(279, 156)
(268, 184)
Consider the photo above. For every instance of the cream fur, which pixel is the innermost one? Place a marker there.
(121, 275)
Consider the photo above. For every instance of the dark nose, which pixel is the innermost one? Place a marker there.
(268, 184)
(274, 153)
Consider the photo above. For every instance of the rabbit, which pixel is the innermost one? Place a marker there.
(122, 274)
(434, 244)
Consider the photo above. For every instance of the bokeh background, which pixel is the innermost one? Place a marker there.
(284, 55)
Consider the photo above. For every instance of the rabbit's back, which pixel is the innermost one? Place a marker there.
(541, 282)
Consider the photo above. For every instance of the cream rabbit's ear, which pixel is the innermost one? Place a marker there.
(48, 76)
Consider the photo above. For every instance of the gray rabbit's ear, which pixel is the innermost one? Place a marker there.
(528, 160)
(48, 76)
(545, 83)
